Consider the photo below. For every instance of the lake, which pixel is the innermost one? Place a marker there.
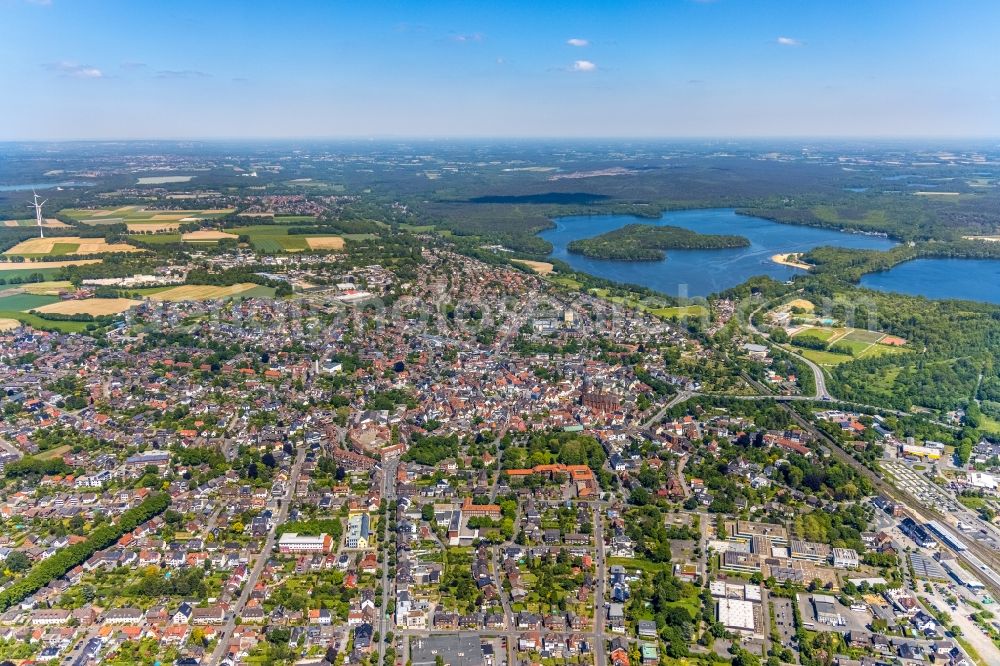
(969, 279)
(41, 186)
(701, 272)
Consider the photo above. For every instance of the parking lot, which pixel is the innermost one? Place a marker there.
(784, 620)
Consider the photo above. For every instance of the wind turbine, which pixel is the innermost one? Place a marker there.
(38, 213)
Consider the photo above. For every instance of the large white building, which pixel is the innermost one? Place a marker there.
(736, 615)
(291, 542)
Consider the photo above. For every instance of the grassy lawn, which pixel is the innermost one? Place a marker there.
(60, 249)
(45, 324)
(564, 281)
(861, 335)
(974, 503)
(47, 273)
(882, 350)
(273, 238)
(823, 334)
(823, 357)
(857, 347)
(54, 453)
(23, 302)
(681, 311)
(642, 565)
(989, 424)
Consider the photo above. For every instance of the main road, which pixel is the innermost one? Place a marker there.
(262, 557)
(600, 615)
(388, 550)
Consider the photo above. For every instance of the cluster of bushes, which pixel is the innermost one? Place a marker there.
(59, 564)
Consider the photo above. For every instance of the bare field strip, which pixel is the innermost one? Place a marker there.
(42, 265)
(85, 245)
(202, 292)
(152, 227)
(48, 223)
(47, 288)
(207, 235)
(540, 267)
(91, 306)
(325, 242)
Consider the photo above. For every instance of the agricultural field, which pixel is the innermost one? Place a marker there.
(51, 288)
(540, 267)
(8, 324)
(206, 235)
(152, 227)
(8, 268)
(139, 215)
(64, 245)
(15, 306)
(48, 223)
(275, 238)
(92, 306)
(198, 292)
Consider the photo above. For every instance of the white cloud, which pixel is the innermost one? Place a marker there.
(76, 71)
(576, 41)
(788, 41)
(181, 74)
(584, 66)
(474, 37)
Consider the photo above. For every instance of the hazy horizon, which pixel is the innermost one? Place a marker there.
(686, 69)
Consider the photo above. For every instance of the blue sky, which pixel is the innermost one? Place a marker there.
(674, 68)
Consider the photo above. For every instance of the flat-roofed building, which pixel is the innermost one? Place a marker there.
(846, 558)
(739, 615)
(746, 562)
(826, 610)
(810, 551)
(746, 530)
(290, 542)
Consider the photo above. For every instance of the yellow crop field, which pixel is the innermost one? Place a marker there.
(91, 306)
(325, 242)
(207, 235)
(42, 246)
(42, 265)
(202, 292)
(8, 324)
(152, 227)
(47, 288)
(540, 267)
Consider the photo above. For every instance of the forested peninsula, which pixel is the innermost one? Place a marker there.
(646, 242)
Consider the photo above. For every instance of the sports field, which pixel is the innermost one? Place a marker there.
(63, 245)
(91, 306)
(204, 292)
(862, 343)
